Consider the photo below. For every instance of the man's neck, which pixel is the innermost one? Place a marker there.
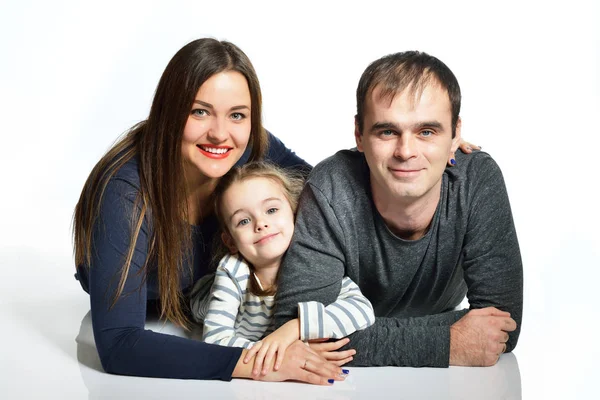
(407, 217)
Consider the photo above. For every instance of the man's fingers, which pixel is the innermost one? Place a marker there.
(331, 346)
(339, 355)
(509, 325)
(489, 311)
(343, 362)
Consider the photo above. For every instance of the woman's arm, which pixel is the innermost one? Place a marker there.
(124, 345)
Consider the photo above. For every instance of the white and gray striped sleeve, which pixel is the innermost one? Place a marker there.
(225, 299)
(351, 312)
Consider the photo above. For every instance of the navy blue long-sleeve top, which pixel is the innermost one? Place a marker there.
(124, 345)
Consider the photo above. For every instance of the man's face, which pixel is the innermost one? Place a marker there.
(407, 143)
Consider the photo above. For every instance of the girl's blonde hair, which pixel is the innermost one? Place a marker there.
(291, 185)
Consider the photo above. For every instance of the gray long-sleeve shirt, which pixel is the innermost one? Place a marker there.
(471, 247)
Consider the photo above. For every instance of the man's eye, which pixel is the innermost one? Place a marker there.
(244, 221)
(199, 112)
(237, 116)
(272, 210)
(426, 133)
(387, 132)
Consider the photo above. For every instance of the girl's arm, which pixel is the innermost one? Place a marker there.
(226, 298)
(351, 312)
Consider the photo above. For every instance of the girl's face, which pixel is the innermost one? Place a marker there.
(218, 127)
(259, 219)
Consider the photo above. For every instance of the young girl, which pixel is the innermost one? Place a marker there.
(255, 205)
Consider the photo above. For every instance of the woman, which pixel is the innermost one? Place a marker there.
(143, 225)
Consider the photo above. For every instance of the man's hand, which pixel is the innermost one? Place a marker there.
(478, 338)
(330, 350)
(274, 344)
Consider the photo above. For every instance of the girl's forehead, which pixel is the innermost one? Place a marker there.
(253, 190)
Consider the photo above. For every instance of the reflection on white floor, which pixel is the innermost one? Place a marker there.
(502, 381)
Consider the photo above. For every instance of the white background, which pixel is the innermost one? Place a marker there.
(75, 75)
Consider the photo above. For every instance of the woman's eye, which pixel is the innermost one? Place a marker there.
(237, 116)
(244, 221)
(199, 112)
(426, 133)
(272, 210)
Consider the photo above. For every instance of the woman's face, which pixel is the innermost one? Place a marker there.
(218, 128)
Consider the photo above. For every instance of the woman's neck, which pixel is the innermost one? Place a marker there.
(199, 190)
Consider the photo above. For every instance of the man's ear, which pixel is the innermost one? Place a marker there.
(457, 136)
(228, 240)
(357, 135)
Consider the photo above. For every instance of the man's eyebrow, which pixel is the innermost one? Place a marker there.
(385, 125)
(428, 124)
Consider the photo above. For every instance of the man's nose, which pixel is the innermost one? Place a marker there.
(406, 146)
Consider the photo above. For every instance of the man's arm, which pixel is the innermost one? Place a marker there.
(313, 270)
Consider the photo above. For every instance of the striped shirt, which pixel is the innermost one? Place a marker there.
(239, 318)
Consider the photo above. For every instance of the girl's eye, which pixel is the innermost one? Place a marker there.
(237, 116)
(272, 210)
(199, 112)
(426, 133)
(244, 221)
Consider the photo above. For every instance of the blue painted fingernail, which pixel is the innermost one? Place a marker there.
(345, 371)
(330, 381)
(452, 161)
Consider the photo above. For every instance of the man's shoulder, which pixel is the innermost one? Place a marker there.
(342, 170)
(471, 167)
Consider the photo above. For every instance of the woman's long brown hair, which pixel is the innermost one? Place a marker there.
(156, 142)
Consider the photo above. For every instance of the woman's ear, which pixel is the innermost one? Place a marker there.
(228, 240)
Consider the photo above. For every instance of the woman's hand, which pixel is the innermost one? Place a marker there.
(276, 343)
(466, 147)
(301, 363)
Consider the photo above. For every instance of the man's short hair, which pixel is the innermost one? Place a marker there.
(412, 70)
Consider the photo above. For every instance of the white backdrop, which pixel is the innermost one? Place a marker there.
(75, 75)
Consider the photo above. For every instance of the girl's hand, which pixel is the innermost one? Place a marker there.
(301, 363)
(274, 344)
(328, 350)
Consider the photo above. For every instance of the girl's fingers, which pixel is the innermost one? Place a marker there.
(269, 359)
(252, 351)
(279, 359)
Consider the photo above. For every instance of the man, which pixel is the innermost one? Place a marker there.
(415, 235)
